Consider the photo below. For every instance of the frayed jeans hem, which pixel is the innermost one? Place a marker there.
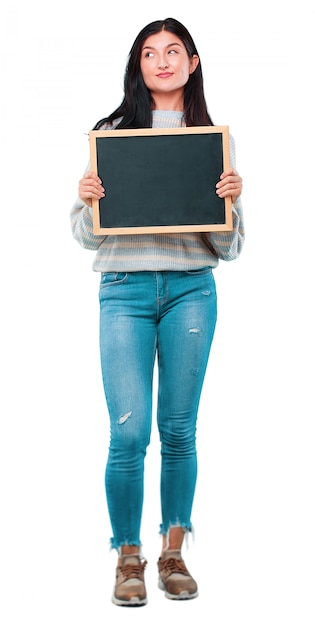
(118, 546)
(188, 529)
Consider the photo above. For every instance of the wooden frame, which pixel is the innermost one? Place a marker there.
(152, 177)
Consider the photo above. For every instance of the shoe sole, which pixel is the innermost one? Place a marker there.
(183, 595)
(133, 602)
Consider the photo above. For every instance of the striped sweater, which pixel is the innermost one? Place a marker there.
(158, 252)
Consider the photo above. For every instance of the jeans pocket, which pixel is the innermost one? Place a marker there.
(199, 272)
(112, 278)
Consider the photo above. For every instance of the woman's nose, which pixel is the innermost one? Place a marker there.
(163, 64)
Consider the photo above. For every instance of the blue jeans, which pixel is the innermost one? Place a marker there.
(170, 316)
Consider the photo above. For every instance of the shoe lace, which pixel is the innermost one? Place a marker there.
(133, 570)
(174, 566)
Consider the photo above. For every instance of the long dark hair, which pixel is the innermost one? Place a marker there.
(136, 106)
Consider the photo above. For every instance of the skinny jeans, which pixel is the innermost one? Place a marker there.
(167, 317)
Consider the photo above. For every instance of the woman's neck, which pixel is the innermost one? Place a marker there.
(168, 102)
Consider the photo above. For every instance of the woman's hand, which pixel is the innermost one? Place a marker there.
(91, 188)
(230, 184)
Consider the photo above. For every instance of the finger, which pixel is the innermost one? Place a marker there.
(228, 176)
(89, 185)
(92, 174)
(229, 179)
(229, 172)
(90, 182)
(229, 186)
(89, 191)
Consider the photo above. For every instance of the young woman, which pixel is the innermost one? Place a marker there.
(157, 299)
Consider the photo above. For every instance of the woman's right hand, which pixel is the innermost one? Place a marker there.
(90, 188)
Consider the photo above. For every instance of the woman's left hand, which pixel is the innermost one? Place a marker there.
(230, 184)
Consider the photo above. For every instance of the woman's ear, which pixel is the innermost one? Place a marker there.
(194, 61)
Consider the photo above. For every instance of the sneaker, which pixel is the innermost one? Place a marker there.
(130, 587)
(174, 577)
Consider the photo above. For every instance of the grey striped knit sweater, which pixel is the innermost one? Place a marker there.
(158, 252)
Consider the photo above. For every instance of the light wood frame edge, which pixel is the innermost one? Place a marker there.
(97, 230)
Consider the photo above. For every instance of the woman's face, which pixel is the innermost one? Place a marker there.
(165, 64)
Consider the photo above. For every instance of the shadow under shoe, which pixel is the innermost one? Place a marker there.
(130, 586)
(174, 577)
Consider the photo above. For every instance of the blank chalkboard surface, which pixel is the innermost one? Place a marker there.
(160, 180)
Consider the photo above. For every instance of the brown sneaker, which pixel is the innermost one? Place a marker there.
(174, 577)
(130, 587)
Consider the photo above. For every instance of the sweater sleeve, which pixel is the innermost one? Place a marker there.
(229, 244)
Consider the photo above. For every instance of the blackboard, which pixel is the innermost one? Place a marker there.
(160, 180)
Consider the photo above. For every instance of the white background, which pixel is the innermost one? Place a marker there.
(62, 67)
